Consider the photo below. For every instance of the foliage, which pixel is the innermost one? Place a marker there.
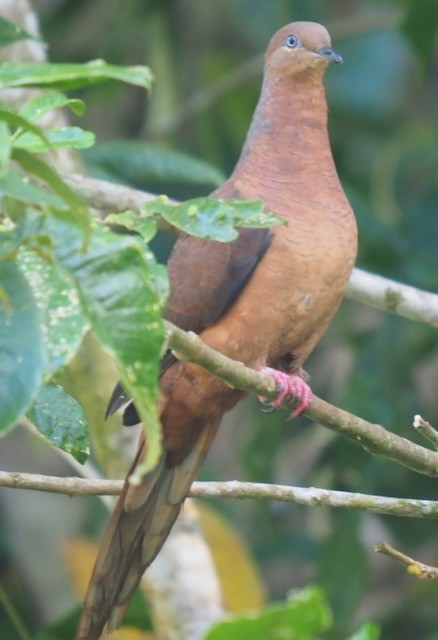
(58, 263)
(304, 616)
(82, 274)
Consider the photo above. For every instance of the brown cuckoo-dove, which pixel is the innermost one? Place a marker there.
(264, 299)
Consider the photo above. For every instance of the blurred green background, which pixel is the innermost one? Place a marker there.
(207, 60)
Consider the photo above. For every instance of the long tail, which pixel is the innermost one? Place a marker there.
(140, 524)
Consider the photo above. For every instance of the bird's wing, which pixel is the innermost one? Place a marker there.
(206, 277)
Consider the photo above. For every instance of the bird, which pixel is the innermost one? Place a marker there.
(264, 299)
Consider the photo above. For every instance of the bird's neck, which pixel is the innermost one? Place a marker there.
(290, 103)
(288, 133)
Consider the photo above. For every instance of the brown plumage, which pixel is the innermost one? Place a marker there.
(264, 299)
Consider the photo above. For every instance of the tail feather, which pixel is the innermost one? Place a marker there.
(141, 522)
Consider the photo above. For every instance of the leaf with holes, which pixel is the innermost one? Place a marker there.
(64, 321)
(115, 281)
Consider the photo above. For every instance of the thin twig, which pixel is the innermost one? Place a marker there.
(364, 287)
(311, 496)
(426, 430)
(372, 437)
(415, 568)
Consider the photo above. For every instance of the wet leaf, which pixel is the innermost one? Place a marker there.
(118, 297)
(61, 420)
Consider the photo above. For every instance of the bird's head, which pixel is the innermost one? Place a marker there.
(299, 47)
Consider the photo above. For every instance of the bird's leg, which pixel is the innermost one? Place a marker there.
(289, 385)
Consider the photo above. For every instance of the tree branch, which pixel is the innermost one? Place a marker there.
(415, 568)
(402, 507)
(372, 437)
(393, 296)
(364, 287)
(370, 289)
(426, 430)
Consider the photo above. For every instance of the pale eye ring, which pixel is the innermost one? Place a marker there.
(291, 41)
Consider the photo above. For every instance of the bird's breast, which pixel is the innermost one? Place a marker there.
(294, 291)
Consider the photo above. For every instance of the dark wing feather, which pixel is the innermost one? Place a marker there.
(207, 276)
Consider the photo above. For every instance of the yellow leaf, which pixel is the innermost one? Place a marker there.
(241, 584)
(127, 633)
(79, 555)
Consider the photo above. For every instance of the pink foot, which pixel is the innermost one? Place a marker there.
(289, 385)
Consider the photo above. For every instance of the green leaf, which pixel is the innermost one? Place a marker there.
(13, 235)
(212, 218)
(41, 105)
(367, 631)
(302, 617)
(65, 324)
(16, 185)
(77, 209)
(159, 281)
(119, 298)
(74, 137)
(21, 344)
(18, 122)
(70, 76)
(61, 420)
(10, 33)
(143, 164)
(144, 226)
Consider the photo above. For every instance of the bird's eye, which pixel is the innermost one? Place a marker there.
(291, 41)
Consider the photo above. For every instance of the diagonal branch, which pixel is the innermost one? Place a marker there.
(372, 437)
(364, 287)
(311, 496)
(414, 567)
(426, 430)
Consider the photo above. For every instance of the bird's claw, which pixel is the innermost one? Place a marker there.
(291, 390)
(266, 406)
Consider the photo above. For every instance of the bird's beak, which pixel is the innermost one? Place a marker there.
(329, 54)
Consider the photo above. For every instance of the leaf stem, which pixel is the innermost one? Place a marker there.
(13, 615)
